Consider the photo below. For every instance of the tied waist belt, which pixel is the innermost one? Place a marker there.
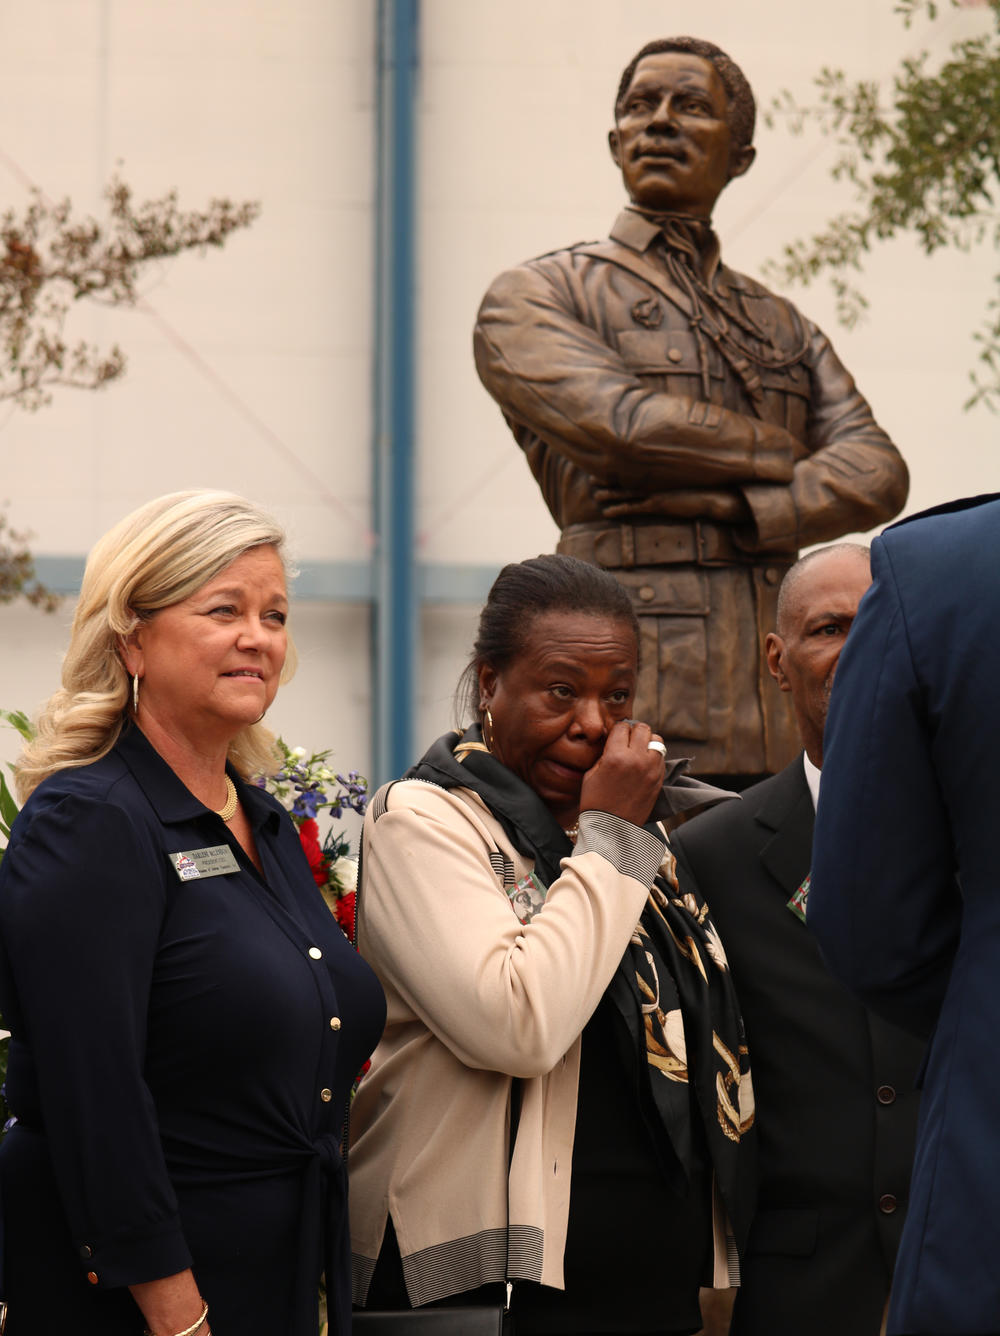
(324, 1239)
(624, 546)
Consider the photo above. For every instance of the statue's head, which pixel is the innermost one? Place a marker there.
(684, 122)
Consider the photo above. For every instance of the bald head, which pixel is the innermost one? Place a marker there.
(798, 581)
(817, 603)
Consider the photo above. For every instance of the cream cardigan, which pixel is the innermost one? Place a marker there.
(475, 998)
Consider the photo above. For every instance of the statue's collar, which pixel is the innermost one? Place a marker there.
(639, 230)
(635, 230)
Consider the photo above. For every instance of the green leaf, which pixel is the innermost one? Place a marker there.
(19, 720)
(920, 154)
(8, 807)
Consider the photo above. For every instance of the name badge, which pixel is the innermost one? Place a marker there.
(215, 862)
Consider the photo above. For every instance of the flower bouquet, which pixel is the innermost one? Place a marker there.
(306, 786)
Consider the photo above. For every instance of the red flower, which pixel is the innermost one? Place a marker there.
(344, 911)
(309, 839)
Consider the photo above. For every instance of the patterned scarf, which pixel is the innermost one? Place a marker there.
(672, 988)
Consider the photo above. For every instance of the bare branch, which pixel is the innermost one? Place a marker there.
(49, 260)
(17, 571)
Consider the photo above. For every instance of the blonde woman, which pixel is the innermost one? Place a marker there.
(186, 1015)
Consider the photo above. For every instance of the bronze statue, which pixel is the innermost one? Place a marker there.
(689, 429)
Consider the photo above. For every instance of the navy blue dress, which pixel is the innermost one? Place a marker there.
(181, 1058)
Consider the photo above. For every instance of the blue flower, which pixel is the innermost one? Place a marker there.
(306, 803)
(354, 794)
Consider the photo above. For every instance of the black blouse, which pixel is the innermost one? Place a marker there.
(636, 1252)
(185, 1044)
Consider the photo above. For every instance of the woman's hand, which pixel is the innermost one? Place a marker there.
(628, 777)
(171, 1304)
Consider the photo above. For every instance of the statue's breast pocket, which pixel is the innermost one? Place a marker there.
(788, 392)
(673, 604)
(669, 353)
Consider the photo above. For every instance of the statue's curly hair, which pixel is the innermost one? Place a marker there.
(742, 107)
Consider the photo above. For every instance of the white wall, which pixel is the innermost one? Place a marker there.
(250, 368)
(260, 378)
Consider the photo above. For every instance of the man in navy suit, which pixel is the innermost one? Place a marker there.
(905, 881)
(836, 1108)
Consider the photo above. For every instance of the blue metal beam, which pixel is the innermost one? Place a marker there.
(323, 581)
(394, 622)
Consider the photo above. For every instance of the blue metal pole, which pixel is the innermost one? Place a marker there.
(395, 611)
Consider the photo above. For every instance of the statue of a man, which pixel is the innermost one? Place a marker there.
(689, 429)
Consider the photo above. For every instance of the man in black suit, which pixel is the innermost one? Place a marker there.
(836, 1107)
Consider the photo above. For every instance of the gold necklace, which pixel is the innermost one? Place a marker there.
(228, 809)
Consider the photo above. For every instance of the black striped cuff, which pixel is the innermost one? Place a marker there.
(629, 849)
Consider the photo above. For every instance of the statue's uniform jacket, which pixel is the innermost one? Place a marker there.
(605, 380)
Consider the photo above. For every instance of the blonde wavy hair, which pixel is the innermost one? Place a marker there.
(159, 555)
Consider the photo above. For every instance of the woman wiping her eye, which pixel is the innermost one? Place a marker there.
(562, 1093)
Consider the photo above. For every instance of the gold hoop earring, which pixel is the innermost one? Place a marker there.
(135, 693)
(488, 731)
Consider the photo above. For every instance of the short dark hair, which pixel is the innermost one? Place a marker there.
(528, 589)
(742, 107)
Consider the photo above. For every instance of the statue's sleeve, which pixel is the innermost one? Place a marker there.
(853, 477)
(552, 372)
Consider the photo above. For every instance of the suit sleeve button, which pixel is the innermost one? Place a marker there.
(92, 1277)
(326, 1095)
(885, 1094)
(86, 1251)
(887, 1203)
(334, 1022)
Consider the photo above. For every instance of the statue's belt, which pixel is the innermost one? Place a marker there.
(625, 546)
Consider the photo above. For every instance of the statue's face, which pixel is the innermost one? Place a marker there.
(672, 140)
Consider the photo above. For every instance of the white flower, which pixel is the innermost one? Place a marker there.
(299, 753)
(345, 870)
